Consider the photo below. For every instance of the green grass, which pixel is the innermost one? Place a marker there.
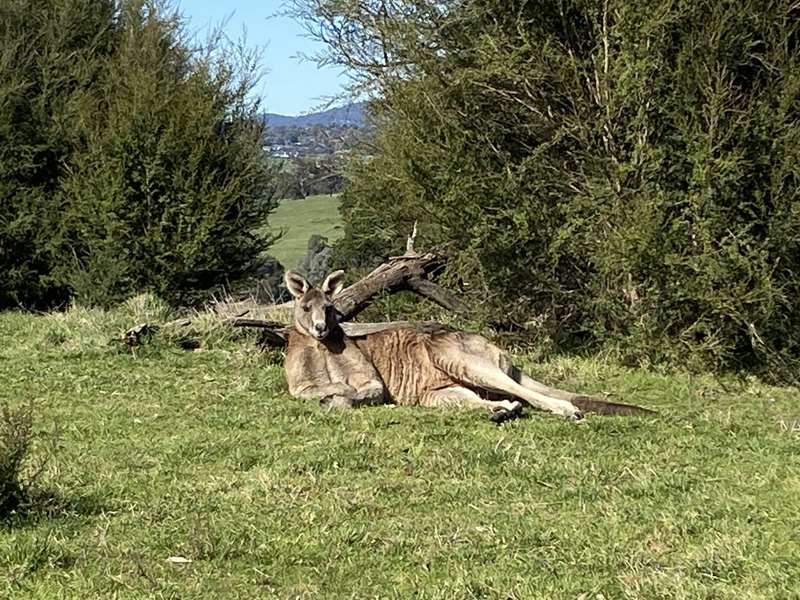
(299, 220)
(203, 455)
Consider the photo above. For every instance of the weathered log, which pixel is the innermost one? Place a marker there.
(272, 337)
(360, 329)
(239, 322)
(133, 337)
(410, 272)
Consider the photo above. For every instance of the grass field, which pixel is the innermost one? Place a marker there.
(203, 455)
(299, 220)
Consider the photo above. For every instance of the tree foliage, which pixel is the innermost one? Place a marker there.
(44, 59)
(304, 176)
(625, 171)
(130, 157)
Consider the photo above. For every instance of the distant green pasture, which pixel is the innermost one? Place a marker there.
(299, 220)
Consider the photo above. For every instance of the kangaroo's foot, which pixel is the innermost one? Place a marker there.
(336, 402)
(506, 413)
(568, 410)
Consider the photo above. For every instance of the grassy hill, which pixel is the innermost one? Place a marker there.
(299, 220)
(203, 455)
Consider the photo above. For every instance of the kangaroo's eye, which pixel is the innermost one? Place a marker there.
(305, 307)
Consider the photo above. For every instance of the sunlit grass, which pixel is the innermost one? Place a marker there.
(203, 455)
(299, 220)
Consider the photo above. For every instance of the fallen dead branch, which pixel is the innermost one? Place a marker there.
(411, 271)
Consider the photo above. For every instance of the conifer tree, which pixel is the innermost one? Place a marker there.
(626, 171)
(130, 156)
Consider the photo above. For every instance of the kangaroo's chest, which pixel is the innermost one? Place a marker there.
(342, 365)
(339, 361)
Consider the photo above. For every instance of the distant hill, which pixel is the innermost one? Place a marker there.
(349, 114)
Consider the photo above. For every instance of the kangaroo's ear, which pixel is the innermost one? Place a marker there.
(295, 283)
(333, 284)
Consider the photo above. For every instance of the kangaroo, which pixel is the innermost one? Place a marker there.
(430, 366)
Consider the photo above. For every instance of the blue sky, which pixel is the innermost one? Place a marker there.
(288, 87)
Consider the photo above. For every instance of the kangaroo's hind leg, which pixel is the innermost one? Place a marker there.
(475, 362)
(526, 381)
(481, 347)
(457, 396)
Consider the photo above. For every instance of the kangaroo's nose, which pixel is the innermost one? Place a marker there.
(319, 327)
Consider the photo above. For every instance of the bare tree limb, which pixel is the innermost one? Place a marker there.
(437, 294)
(238, 322)
(390, 277)
(410, 272)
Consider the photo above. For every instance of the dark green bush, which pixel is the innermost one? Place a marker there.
(49, 50)
(16, 434)
(130, 158)
(624, 171)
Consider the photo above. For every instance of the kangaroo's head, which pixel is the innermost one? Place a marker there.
(314, 313)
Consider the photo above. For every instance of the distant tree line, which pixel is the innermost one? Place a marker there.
(313, 139)
(305, 176)
(130, 156)
(625, 172)
(312, 158)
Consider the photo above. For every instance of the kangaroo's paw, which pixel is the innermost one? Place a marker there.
(336, 402)
(501, 415)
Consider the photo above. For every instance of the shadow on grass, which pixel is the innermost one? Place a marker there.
(31, 507)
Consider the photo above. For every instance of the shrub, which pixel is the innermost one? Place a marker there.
(133, 159)
(625, 171)
(16, 433)
(49, 49)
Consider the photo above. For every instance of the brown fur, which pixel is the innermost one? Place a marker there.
(430, 366)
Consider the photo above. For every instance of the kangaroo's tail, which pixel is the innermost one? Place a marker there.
(605, 408)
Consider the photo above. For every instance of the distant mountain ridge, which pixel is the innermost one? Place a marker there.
(349, 114)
